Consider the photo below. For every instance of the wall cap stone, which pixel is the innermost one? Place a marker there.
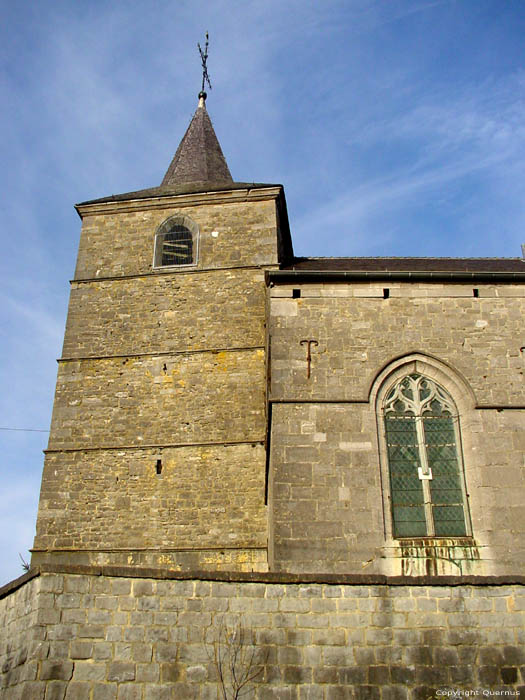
(279, 576)
(17, 583)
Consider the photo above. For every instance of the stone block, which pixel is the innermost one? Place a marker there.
(28, 691)
(133, 634)
(99, 617)
(330, 637)
(88, 670)
(80, 650)
(61, 632)
(143, 588)
(367, 692)
(159, 634)
(311, 692)
(148, 673)
(56, 669)
(379, 636)
(78, 691)
(395, 692)
(352, 675)
(403, 674)
(91, 631)
(129, 691)
(121, 671)
(288, 655)
(301, 605)
(51, 583)
(513, 656)
(104, 691)
(159, 692)
(56, 690)
(168, 652)
(106, 602)
(75, 584)
(48, 616)
(141, 652)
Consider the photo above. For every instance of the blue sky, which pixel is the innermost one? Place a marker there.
(396, 126)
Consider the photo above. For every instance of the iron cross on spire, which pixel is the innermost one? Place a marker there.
(204, 58)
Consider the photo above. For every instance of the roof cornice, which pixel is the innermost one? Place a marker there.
(226, 196)
(316, 276)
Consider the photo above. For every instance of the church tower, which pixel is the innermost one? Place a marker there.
(157, 450)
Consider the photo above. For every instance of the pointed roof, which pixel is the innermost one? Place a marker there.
(199, 157)
(198, 166)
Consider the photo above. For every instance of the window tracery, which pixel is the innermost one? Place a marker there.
(423, 447)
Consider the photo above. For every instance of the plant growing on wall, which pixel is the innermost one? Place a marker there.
(237, 660)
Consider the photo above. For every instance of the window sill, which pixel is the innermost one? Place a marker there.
(173, 268)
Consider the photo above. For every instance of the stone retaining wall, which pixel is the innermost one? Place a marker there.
(111, 635)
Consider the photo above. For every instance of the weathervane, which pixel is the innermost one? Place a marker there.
(204, 58)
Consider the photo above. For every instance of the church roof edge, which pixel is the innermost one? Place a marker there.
(174, 190)
(391, 267)
(405, 263)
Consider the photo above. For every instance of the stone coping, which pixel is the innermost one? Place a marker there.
(276, 577)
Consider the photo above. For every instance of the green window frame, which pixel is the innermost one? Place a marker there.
(427, 485)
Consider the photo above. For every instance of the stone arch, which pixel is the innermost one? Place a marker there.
(176, 242)
(444, 374)
(461, 395)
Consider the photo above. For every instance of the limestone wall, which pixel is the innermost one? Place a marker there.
(22, 616)
(183, 398)
(117, 637)
(329, 497)
(210, 496)
(166, 313)
(359, 332)
(156, 452)
(117, 239)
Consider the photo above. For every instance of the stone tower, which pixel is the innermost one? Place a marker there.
(157, 448)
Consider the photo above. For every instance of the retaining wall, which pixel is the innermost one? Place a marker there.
(127, 634)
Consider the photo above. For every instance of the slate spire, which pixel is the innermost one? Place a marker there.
(199, 157)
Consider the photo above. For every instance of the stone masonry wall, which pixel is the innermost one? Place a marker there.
(326, 495)
(117, 242)
(328, 488)
(122, 637)
(210, 495)
(163, 369)
(359, 332)
(166, 313)
(21, 618)
(183, 398)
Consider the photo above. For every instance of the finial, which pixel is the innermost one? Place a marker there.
(205, 76)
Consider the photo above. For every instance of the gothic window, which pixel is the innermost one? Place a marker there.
(176, 242)
(424, 460)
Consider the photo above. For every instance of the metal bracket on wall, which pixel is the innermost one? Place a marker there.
(309, 344)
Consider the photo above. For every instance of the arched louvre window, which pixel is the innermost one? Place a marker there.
(177, 246)
(424, 458)
(176, 242)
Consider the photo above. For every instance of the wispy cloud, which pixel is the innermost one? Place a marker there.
(438, 147)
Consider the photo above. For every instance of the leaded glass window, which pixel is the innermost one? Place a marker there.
(426, 477)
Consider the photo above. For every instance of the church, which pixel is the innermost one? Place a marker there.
(330, 448)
